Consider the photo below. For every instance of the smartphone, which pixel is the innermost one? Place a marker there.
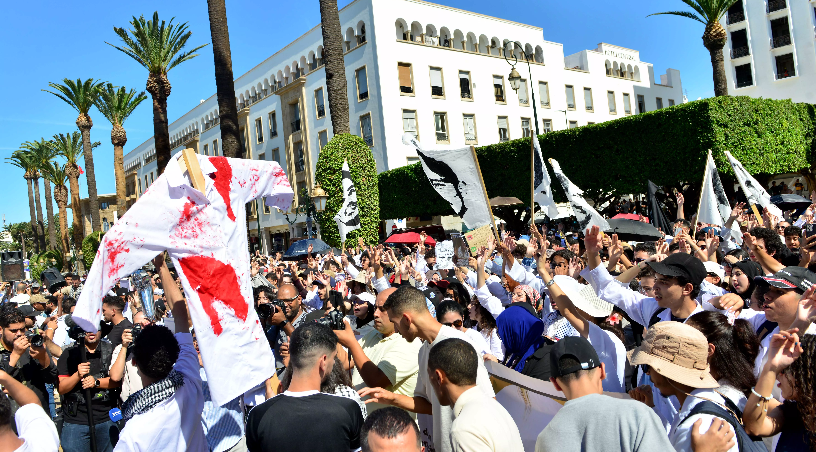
(810, 230)
(678, 231)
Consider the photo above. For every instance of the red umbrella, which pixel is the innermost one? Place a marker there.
(627, 216)
(409, 237)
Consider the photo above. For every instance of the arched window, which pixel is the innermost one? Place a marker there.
(402, 29)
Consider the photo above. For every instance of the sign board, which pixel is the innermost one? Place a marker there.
(444, 255)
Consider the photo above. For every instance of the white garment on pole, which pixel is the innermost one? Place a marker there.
(348, 217)
(752, 189)
(709, 211)
(584, 213)
(542, 193)
(205, 236)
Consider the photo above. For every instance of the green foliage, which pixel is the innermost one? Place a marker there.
(614, 158)
(351, 148)
(116, 103)
(18, 230)
(79, 94)
(42, 261)
(89, 247)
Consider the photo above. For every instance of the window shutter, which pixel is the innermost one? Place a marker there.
(405, 75)
(436, 77)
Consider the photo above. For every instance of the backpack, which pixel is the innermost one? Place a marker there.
(765, 329)
(744, 442)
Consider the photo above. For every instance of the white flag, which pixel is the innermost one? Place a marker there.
(752, 189)
(454, 174)
(714, 206)
(586, 215)
(542, 194)
(348, 217)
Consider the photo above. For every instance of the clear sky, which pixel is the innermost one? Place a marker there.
(45, 41)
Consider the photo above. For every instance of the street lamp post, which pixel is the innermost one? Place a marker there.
(515, 78)
(313, 206)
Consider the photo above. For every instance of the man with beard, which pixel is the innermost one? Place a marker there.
(288, 319)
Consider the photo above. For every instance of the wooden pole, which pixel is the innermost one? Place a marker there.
(484, 190)
(532, 182)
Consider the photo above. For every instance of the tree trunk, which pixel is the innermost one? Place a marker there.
(61, 196)
(33, 215)
(84, 123)
(335, 67)
(159, 88)
(76, 206)
(40, 231)
(119, 139)
(224, 81)
(49, 209)
(718, 65)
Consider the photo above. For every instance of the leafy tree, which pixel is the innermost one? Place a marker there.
(24, 161)
(42, 152)
(56, 174)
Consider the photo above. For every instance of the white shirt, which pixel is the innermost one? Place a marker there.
(37, 430)
(482, 424)
(494, 343)
(612, 353)
(680, 435)
(21, 299)
(478, 341)
(175, 424)
(131, 381)
(205, 236)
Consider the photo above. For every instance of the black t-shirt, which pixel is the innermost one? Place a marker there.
(311, 423)
(115, 335)
(67, 366)
(794, 436)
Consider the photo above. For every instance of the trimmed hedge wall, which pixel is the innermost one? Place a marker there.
(363, 173)
(614, 158)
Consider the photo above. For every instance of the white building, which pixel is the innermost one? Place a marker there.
(413, 66)
(770, 51)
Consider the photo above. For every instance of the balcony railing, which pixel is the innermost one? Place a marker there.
(467, 95)
(780, 41)
(273, 134)
(407, 89)
(524, 102)
(740, 52)
(785, 74)
(735, 18)
(744, 83)
(296, 125)
(776, 5)
(364, 95)
(437, 91)
(369, 140)
(441, 136)
(300, 165)
(321, 111)
(470, 137)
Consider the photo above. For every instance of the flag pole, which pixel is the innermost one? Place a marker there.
(484, 190)
(744, 192)
(532, 182)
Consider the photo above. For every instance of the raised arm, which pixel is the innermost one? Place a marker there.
(565, 305)
(173, 294)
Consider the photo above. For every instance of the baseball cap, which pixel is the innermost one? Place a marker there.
(676, 351)
(121, 292)
(575, 347)
(789, 278)
(715, 268)
(27, 311)
(37, 298)
(433, 295)
(36, 285)
(681, 264)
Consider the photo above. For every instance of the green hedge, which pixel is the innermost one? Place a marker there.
(616, 157)
(90, 245)
(364, 174)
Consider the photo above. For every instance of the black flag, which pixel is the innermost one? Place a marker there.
(656, 215)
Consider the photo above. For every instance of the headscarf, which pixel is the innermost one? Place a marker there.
(532, 295)
(521, 333)
(751, 270)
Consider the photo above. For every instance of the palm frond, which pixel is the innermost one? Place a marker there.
(69, 146)
(681, 14)
(696, 6)
(117, 103)
(79, 94)
(55, 173)
(41, 152)
(21, 159)
(156, 45)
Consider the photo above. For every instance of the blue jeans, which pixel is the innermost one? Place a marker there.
(76, 437)
(51, 406)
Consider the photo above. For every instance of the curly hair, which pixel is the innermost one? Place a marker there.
(802, 374)
(773, 244)
(486, 320)
(155, 351)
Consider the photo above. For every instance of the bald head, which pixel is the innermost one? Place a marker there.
(287, 291)
(381, 320)
(289, 295)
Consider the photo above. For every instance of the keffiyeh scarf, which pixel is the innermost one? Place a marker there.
(144, 400)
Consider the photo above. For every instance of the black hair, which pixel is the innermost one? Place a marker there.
(256, 292)
(307, 341)
(67, 304)
(739, 253)
(405, 298)
(735, 348)
(115, 302)
(430, 253)
(10, 315)
(155, 351)
(337, 377)
(520, 251)
(457, 358)
(674, 245)
(563, 254)
(486, 320)
(682, 222)
(389, 422)
(773, 244)
(793, 231)
(570, 361)
(695, 287)
(448, 306)
(700, 235)
(6, 412)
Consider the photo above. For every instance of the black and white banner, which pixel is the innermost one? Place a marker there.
(454, 174)
(584, 213)
(754, 192)
(348, 217)
(542, 194)
(714, 206)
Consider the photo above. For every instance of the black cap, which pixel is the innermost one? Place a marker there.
(681, 264)
(121, 292)
(433, 294)
(575, 347)
(27, 311)
(789, 278)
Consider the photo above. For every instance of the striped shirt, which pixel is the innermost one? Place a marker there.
(223, 425)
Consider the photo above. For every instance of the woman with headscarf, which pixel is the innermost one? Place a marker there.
(525, 349)
(741, 286)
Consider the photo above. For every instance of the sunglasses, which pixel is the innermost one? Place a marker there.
(455, 324)
(639, 260)
(555, 265)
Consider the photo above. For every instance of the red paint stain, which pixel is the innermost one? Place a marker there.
(114, 247)
(222, 179)
(214, 281)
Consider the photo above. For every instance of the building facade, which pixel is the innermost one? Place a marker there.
(445, 81)
(107, 212)
(771, 51)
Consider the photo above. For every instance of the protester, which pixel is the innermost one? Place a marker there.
(20, 359)
(481, 423)
(390, 430)
(450, 313)
(589, 420)
(112, 311)
(286, 320)
(35, 432)
(23, 294)
(303, 418)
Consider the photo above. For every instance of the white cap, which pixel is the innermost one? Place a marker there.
(583, 296)
(713, 267)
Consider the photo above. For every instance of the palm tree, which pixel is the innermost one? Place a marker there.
(23, 161)
(709, 13)
(35, 178)
(82, 96)
(116, 105)
(157, 47)
(335, 66)
(231, 142)
(42, 153)
(70, 147)
(57, 175)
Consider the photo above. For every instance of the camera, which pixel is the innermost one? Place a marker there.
(264, 311)
(75, 332)
(36, 340)
(333, 319)
(135, 330)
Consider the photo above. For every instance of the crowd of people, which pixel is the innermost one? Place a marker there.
(700, 341)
